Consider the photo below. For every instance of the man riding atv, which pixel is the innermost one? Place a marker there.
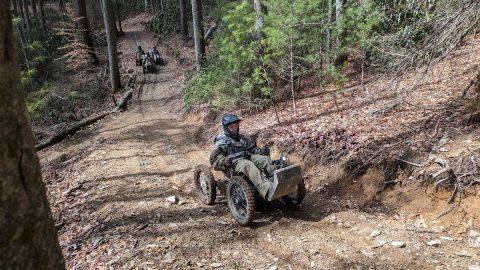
(156, 56)
(139, 56)
(249, 172)
(234, 151)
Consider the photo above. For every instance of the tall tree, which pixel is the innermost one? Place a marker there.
(61, 5)
(14, 8)
(197, 18)
(18, 3)
(183, 18)
(260, 11)
(111, 44)
(338, 19)
(328, 45)
(42, 14)
(28, 238)
(84, 26)
(147, 4)
(26, 13)
(33, 3)
(119, 17)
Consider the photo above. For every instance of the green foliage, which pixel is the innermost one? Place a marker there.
(361, 19)
(53, 102)
(36, 101)
(166, 17)
(167, 14)
(49, 99)
(335, 75)
(250, 68)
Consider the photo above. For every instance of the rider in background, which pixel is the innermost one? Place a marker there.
(156, 55)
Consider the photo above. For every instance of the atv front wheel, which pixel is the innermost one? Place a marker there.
(205, 184)
(241, 200)
(295, 198)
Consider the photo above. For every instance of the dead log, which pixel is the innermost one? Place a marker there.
(86, 122)
(60, 136)
(123, 103)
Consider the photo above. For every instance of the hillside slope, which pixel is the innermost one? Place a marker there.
(108, 184)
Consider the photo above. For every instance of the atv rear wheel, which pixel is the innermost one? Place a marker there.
(296, 198)
(241, 200)
(205, 184)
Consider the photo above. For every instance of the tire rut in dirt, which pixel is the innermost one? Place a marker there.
(241, 200)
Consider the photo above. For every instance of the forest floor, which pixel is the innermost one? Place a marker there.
(108, 187)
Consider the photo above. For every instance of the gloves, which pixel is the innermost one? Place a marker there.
(227, 161)
(266, 150)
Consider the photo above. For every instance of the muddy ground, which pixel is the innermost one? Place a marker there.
(108, 187)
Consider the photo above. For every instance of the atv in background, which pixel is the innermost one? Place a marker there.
(148, 64)
(156, 57)
(139, 56)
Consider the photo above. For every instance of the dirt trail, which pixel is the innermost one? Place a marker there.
(128, 164)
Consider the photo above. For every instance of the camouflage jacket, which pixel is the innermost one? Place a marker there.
(227, 147)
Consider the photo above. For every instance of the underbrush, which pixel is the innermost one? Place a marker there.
(56, 102)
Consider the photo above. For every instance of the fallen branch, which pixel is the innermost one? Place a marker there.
(60, 136)
(454, 193)
(86, 122)
(472, 82)
(446, 211)
(440, 162)
(68, 192)
(446, 169)
(123, 103)
(410, 163)
(441, 181)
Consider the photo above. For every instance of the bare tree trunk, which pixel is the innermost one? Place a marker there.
(340, 55)
(338, 19)
(14, 8)
(20, 12)
(22, 43)
(114, 18)
(119, 17)
(259, 13)
(292, 78)
(146, 5)
(328, 45)
(28, 238)
(61, 5)
(198, 34)
(33, 3)
(42, 15)
(84, 26)
(183, 18)
(112, 45)
(27, 14)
